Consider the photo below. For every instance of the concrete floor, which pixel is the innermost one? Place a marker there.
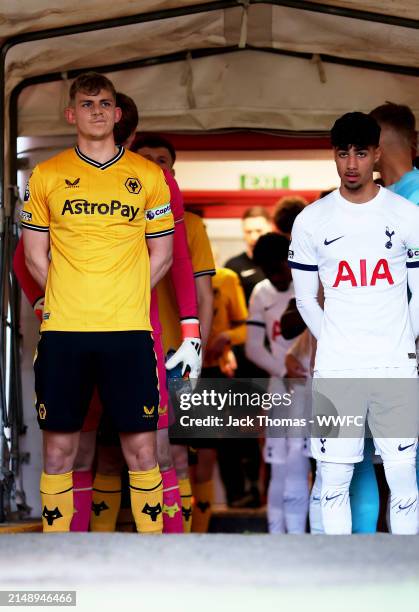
(218, 572)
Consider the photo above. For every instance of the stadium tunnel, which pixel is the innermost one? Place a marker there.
(221, 75)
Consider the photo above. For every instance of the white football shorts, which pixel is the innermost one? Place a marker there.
(343, 400)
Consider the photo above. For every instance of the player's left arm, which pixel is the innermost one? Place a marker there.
(159, 227)
(160, 251)
(411, 242)
(413, 282)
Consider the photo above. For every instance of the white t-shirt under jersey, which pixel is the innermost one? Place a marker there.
(360, 252)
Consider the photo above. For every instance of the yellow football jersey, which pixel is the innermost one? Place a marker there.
(98, 217)
(230, 310)
(202, 263)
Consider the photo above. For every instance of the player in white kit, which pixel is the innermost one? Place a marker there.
(362, 241)
(288, 488)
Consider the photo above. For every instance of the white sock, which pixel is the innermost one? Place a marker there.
(296, 487)
(276, 517)
(315, 512)
(336, 509)
(401, 479)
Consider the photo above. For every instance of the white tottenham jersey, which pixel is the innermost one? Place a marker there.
(360, 252)
(266, 307)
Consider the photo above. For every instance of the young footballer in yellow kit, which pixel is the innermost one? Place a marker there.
(104, 215)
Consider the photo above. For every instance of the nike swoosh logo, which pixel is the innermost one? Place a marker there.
(327, 242)
(333, 497)
(316, 498)
(268, 307)
(402, 448)
(408, 506)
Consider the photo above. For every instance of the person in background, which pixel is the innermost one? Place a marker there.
(398, 144)
(398, 148)
(288, 488)
(163, 153)
(256, 221)
(228, 330)
(285, 212)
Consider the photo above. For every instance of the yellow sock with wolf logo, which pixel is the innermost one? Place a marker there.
(203, 493)
(146, 490)
(57, 501)
(186, 497)
(106, 502)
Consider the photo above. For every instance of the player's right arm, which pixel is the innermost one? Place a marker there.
(30, 288)
(302, 260)
(36, 246)
(35, 221)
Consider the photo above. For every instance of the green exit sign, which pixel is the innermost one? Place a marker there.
(264, 181)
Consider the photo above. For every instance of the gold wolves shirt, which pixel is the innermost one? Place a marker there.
(361, 253)
(98, 217)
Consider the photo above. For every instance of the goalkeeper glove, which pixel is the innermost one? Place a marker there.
(190, 351)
